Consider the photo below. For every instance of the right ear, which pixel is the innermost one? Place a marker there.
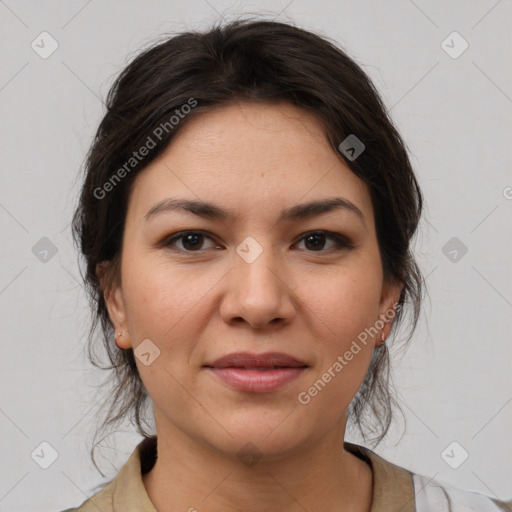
(113, 295)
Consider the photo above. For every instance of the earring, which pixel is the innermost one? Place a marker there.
(382, 337)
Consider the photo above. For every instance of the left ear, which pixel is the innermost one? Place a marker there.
(388, 305)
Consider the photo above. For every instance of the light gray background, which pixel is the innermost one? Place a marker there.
(455, 380)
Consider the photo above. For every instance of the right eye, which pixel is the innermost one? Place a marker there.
(191, 241)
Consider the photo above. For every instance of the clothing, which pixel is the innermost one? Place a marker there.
(395, 489)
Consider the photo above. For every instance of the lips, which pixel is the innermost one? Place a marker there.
(256, 373)
(266, 361)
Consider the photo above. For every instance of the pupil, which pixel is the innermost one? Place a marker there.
(312, 237)
(195, 241)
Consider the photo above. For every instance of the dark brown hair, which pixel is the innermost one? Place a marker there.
(245, 60)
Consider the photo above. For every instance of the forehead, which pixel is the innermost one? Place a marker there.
(252, 158)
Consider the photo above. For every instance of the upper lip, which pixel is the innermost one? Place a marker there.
(249, 360)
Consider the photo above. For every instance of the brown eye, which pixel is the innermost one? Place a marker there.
(315, 241)
(191, 241)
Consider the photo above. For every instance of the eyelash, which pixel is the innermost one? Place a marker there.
(341, 241)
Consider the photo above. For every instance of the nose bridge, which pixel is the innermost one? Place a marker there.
(258, 293)
(256, 262)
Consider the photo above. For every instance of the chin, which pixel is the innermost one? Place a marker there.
(256, 439)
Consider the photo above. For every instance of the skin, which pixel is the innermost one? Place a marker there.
(254, 159)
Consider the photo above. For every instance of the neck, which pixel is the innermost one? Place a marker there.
(192, 476)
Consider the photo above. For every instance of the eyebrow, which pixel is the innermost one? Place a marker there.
(300, 211)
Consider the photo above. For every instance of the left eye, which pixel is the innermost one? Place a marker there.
(316, 239)
(192, 241)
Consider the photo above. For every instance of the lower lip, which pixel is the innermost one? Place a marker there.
(257, 381)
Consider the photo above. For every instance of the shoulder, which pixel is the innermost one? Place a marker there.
(398, 488)
(433, 495)
(126, 491)
(102, 500)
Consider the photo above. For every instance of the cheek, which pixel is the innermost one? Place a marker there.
(345, 308)
(158, 299)
(346, 301)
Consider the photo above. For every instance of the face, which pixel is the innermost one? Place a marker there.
(197, 286)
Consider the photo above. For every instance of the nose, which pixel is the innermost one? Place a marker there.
(258, 292)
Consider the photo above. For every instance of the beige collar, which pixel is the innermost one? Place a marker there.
(393, 489)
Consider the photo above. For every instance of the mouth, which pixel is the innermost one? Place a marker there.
(259, 368)
(257, 373)
(268, 360)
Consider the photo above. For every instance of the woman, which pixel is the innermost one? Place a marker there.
(246, 220)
